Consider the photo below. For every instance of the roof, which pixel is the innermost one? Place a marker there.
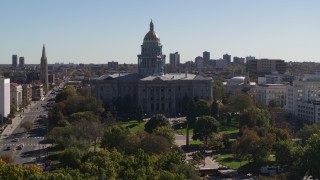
(135, 76)
(176, 76)
(120, 76)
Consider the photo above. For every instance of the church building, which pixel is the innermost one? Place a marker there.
(152, 88)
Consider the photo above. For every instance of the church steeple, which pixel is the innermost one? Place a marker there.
(151, 26)
(44, 70)
(44, 52)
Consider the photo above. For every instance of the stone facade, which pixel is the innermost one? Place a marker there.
(16, 95)
(26, 94)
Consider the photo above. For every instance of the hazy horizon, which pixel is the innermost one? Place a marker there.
(102, 31)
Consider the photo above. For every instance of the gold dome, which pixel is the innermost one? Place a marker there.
(151, 36)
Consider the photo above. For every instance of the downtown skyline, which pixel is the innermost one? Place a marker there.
(87, 32)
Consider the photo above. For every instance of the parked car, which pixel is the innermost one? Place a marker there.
(8, 148)
(15, 140)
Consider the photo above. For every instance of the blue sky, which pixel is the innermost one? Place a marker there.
(99, 31)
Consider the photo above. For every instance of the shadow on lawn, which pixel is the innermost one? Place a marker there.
(131, 126)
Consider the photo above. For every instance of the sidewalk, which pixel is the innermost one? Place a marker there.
(16, 122)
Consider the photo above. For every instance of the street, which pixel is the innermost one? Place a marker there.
(33, 144)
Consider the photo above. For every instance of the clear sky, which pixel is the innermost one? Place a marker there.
(83, 31)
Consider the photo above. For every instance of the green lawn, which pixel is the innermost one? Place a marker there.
(133, 126)
(230, 161)
(195, 142)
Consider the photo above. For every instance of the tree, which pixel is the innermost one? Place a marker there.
(155, 144)
(139, 113)
(7, 158)
(312, 156)
(283, 151)
(247, 119)
(245, 145)
(204, 127)
(191, 113)
(307, 131)
(114, 137)
(216, 141)
(240, 103)
(165, 132)
(250, 145)
(281, 134)
(71, 157)
(262, 117)
(155, 121)
(202, 108)
(13, 108)
(217, 90)
(214, 109)
(88, 115)
(27, 125)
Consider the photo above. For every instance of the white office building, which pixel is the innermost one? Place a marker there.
(303, 98)
(271, 94)
(4, 97)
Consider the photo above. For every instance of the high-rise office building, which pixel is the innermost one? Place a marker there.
(14, 60)
(227, 57)
(44, 70)
(174, 59)
(238, 60)
(206, 56)
(21, 61)
(4, 96)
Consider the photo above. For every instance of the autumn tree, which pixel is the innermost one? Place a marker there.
(240, 103)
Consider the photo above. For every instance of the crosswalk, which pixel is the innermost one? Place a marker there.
(17, 144)
(35, 137)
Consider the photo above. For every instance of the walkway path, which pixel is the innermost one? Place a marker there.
(210, 163)
(16, 122)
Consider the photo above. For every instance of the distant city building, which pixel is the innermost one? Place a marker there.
(199, 62)
(227, 57)
(26, 94)
(152, 88)
(271, 94)
(206, 56)
(16, 95)
(113, 65)
(249, 58)
(303, 98)
(21, 62)
(4, 97)
(14, 60)
(37, 92)
(266, 66)
(51, 78)
(174, 59)
(238, 60)
(221, 63)
(44, 70)
(238, 84)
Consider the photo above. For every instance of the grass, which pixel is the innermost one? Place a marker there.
(230, 161)
(133, 126)
(195, 142)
